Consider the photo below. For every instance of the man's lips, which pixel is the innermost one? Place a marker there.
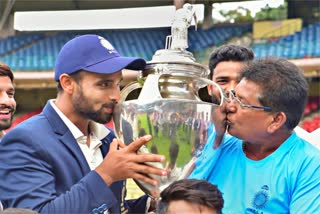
(5, 114)
(108, 110)
(225, 121)
(228, 122)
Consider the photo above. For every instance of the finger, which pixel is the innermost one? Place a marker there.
(121, 144)
(150, 171)
(142, 158)
(135, 145)
(145, 178)
(114, 145)
(149, 168)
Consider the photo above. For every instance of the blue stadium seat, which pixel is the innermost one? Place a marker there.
(37, 51)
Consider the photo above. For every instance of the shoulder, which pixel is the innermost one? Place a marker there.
(34, 123)
(304, 147)
(305, 157)
(31, 134)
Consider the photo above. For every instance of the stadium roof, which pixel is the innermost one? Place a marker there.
(8, 7)
(36, 5)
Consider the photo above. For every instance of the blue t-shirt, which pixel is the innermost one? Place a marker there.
(286, 181)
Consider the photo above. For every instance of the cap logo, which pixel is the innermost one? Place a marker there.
(107, 45)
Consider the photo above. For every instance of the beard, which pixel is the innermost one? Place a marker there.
(5, 124)
(83, 107)
(98, 116)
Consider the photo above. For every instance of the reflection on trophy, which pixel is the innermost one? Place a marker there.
(165, 103)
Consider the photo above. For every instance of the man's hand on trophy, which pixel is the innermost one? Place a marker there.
(124, 162)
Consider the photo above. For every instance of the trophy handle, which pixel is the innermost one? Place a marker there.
(150, 89)
(218, 92)
(128, 89)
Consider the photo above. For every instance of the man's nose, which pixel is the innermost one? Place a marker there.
(231, 106)
(231, 86)
(115, 95)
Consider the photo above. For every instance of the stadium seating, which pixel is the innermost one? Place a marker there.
(303, 44)
(37, 52)
(13, 43)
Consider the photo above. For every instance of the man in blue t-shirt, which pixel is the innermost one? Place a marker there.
(262, 166)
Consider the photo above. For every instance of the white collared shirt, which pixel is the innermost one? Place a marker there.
(98, 131)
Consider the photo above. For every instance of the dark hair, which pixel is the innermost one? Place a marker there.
(6, 71)
(229, 53)
(191, 190)
(283, 86)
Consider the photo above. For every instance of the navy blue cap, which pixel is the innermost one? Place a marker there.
(95, 54)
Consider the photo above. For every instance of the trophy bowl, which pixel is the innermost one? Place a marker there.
(179, 128)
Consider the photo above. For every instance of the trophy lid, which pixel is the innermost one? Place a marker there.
(175, 59)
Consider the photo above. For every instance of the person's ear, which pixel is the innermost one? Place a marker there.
(279, 119)
(67, 83)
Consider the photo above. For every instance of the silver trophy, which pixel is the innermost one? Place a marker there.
(165, 103)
